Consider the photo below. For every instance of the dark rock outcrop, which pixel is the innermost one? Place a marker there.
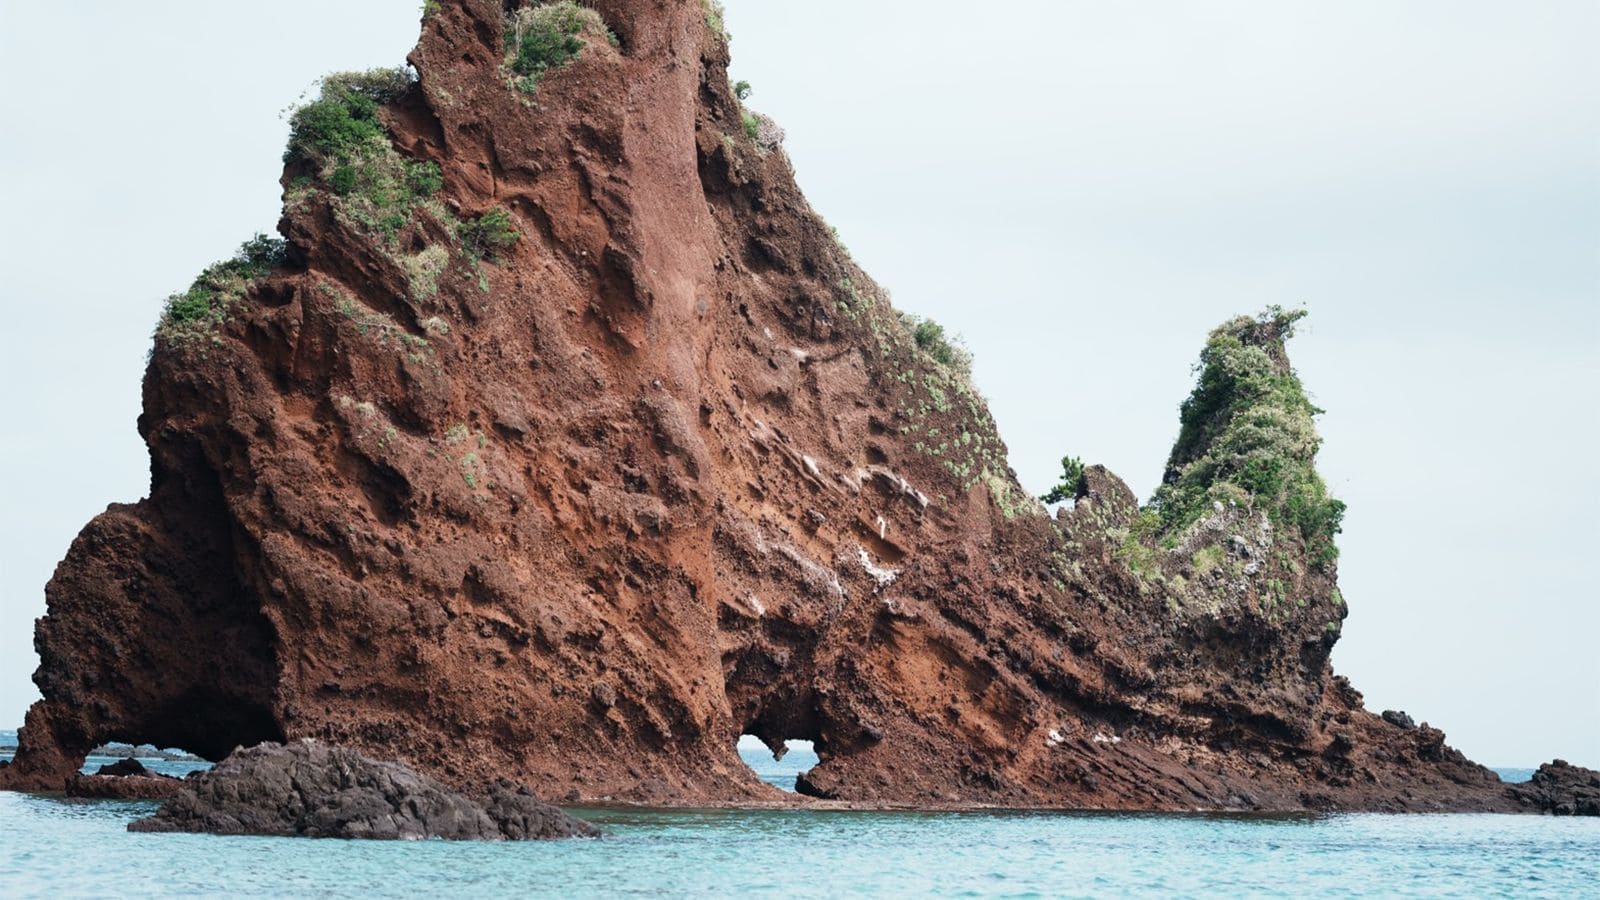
(1561, 789)
(123, 768)
(583, 507)
(1398, 718)
(125, 779)
(308, 789)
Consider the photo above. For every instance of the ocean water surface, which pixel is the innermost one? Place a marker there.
(50, 847)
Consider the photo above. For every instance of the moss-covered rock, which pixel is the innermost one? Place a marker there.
(1248, 438)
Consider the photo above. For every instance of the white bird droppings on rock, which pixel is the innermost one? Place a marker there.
(884, 577)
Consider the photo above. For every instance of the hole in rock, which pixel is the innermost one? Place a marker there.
(779, 769)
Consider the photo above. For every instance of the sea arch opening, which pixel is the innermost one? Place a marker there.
(779, 764)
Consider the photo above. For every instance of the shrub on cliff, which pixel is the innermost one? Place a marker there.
(206, 301)
(489, 235)
(1248, 437)
(344, 117)
(424, 179)
(1071, 480)
(341, 136)
(931, 338)
(545, 37)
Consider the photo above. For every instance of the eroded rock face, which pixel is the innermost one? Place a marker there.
(308, 789)
(581, 511)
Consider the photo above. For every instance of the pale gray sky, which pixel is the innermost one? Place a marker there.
(1082, 188)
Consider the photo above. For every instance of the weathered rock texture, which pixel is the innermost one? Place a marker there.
(310, 790)
(1561, 789)
(669, 471)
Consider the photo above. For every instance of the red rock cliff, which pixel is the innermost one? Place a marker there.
(584, 508)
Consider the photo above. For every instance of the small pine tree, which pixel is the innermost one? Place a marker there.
(1071, 481)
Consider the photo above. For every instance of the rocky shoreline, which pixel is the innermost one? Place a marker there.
(1562, 789)
(248, 794)
(307, 789)
(1557, 788)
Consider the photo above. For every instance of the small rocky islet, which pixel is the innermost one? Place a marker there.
(307, 789)
(558, 440)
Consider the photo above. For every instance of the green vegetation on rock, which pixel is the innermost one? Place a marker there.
(375, 190)
(1071, 480)
(716, 19)
(1248, 438)
(344, 117)
(489, 235)
(1208, 559)
(206, 302)
(759, 129)
(342, 138)
(546, 37)
(930, 338)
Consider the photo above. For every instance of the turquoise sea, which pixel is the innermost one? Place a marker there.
(51, 847)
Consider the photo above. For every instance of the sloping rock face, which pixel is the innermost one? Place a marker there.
(580, 507)
(310, 790)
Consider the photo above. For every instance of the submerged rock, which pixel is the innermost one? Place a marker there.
(308, 789)
(1562, 789)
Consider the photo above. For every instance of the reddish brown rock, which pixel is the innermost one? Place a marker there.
(669, 470)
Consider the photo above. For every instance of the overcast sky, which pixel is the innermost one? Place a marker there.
(1083, 189)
